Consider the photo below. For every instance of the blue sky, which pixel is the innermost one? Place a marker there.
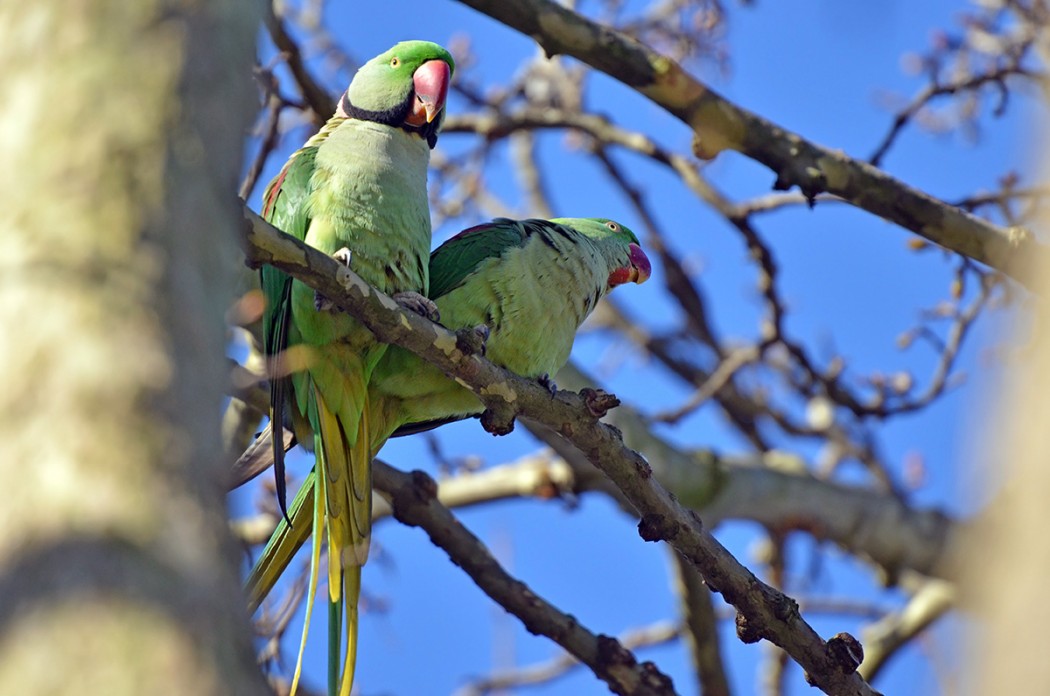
(818, 68)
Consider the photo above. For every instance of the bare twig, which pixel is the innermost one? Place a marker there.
(320, 102)
(997, 76)
(545, 672)
(270, 132)
(736, 360)
(775, 490)
(773, 675)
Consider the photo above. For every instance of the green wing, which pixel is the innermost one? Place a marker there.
(454, 262)
(284, 206)
(461, 255)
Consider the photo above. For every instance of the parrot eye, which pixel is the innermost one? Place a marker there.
(394, 62)
(612, 226)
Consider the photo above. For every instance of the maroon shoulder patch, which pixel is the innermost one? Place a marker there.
(274, 190)
(469, 230)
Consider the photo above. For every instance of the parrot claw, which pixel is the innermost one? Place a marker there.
(322, 303)
(548, 383)
(343, 256)
(474, 340)
(414, 302)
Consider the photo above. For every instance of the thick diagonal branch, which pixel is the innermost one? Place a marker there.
(719, 124)
(778, 492)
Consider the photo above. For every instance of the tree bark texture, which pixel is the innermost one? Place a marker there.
(121, 127)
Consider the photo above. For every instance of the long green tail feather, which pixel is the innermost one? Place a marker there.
(315, 563)
(341, 676)
(283, 544)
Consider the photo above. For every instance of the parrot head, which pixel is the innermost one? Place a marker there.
(404, 87)
(629, 263)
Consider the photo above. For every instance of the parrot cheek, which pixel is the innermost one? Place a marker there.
(621, 276)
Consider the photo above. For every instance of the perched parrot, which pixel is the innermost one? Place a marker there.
(357, 190)
(532, 283)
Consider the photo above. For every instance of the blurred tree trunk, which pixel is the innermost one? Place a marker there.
(121, 126)
(1006, 563)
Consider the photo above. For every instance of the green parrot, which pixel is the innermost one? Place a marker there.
(499, 275)
(357, 190)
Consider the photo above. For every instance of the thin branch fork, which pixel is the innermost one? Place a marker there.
(719, 124)
(545, 672)
(763, 611)
(413, 498)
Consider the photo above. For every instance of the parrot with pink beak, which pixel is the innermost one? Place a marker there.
(357, 190)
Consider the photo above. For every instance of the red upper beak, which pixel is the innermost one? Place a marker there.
(640, 263)
(431, 87)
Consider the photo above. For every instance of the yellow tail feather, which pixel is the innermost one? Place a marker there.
(361, 478)
(348, 546)
(361, 533)
(345, 473)
(334, 480)
(351, 595)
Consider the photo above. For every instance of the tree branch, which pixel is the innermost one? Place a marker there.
(413, 500)
(319, 100)
(778, 492)
(700, 629)
(763, 611)
(545, 672)
(885, 637)
(774, 490)
(719, 125)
